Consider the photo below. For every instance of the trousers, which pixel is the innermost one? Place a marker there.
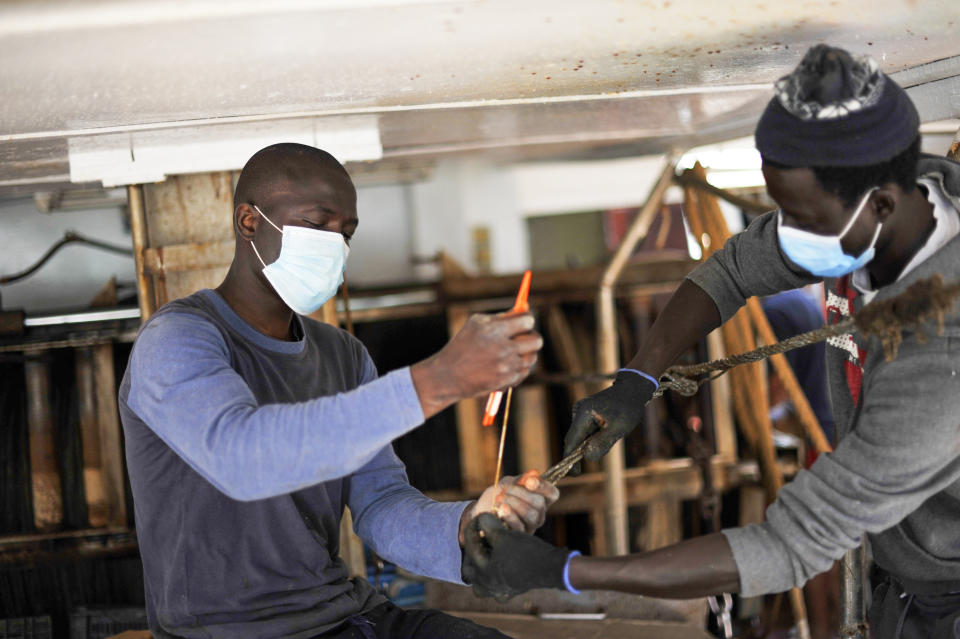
(896, 614)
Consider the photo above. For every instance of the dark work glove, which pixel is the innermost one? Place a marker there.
(499, 562)
(614, 412)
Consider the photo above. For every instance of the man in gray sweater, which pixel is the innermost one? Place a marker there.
(864, 212)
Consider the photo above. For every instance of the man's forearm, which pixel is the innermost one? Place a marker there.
(688, 317)
(693, 568)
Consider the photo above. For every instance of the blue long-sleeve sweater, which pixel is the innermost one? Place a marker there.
(242, 452)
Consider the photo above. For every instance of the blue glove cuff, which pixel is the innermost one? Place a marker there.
(566, 573)
(641, 374)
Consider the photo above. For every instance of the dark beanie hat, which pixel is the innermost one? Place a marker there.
(836, 110)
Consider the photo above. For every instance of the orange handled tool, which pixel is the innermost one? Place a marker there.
(520, 306)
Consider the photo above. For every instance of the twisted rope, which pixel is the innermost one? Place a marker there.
(885, 319)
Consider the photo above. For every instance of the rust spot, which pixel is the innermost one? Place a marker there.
(548, 77)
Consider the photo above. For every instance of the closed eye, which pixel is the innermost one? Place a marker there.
(321, 227)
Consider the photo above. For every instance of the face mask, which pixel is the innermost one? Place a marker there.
(310, 266)
(823, 254)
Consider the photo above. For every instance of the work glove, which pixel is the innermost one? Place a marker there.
(612, 413)
(499, 562)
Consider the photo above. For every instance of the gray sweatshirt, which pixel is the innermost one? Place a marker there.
(895, 474)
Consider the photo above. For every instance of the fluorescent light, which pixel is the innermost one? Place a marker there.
(150, 156)
(80, 318)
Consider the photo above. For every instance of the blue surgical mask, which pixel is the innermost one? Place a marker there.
(823, 254)
(309, 270)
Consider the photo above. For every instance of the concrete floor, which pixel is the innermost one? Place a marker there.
(531, 627)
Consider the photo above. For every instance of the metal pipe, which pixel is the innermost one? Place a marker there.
(138, 231)
(853, 613)
(608, 359)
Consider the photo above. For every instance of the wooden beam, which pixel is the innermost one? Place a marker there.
(532, 427)
(641, 270)
(672, 479)
(138, 231)
(108, 424)
(93, 480)
(177, 258)
(663, 525)
(44, 467)
(690, 179)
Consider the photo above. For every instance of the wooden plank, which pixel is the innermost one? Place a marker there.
(183, 210)
(44, 468)
(532, 427)
(662, 526)
(641, 270)
(532, 627)
(478, 445)
(93, 481)
(670, 479)
(176, 258)
(108, 423)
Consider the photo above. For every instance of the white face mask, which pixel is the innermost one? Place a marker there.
(823, 254)
(310, 267)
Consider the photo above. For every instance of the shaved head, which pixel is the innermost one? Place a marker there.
(272, 168)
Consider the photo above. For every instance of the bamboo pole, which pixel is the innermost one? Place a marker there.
(609, 361)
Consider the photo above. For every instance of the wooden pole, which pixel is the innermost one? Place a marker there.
(609, 360)
(108, 427)
(138, 232)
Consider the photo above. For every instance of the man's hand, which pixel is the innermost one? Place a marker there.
(499, 562)
(489, 353)
(613, 412)
(521, 502)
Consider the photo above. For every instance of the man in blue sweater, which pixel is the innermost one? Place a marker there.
(249, 428)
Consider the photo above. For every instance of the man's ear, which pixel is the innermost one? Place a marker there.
(246, 220)
(885, 201)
